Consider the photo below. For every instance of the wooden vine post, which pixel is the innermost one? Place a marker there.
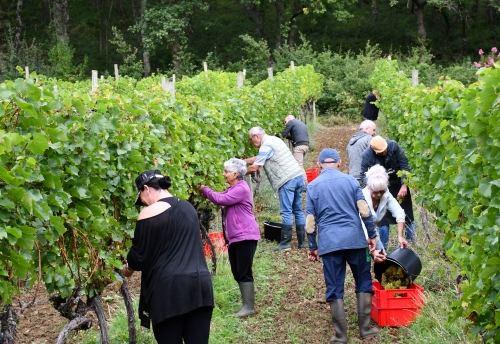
(240, 80)
(414, 77)
(94, 81)
(270, 73)
(169, 86)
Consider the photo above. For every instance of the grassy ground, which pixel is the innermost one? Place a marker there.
(290, 297)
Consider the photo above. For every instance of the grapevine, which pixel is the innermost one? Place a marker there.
(68, 158)
(450, 135)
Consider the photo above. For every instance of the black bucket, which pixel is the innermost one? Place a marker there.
(403, 257)
(272, 231)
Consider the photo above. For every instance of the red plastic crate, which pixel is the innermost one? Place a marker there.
(413, 297)
(217, 239)
(394, 317)
(311, 174)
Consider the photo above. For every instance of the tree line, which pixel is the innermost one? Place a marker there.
(67, 39)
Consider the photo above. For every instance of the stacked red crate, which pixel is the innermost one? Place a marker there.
(396, 307)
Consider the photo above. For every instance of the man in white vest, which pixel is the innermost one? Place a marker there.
(286, 178)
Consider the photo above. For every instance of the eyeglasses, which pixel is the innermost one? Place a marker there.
(380, 192)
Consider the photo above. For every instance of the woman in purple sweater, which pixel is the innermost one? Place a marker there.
(241, 229)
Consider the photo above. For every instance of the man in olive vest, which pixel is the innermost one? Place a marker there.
(286, 177)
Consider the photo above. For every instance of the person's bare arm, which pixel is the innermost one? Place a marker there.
(403, 191)
(402, 242)
(250, 160)
(252, 168)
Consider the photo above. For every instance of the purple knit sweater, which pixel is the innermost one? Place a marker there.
(240, 221)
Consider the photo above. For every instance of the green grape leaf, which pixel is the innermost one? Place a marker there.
(39, 144)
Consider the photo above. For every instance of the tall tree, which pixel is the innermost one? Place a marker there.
(297, 10)
(145, 52)
(287, 14)
(255, 11)
(17, 38)
(168, 23)
(418, 6)
(60, 18)
(374, 12)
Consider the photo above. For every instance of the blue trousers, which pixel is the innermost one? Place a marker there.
(410, 233)
(334, 268)
(291, 201)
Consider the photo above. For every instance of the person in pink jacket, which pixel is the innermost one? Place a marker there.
(242, 230)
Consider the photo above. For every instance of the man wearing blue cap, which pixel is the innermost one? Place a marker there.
(335, 207)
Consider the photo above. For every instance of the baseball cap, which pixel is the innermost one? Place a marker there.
(378, 144)
(328, 154)
(142, 179)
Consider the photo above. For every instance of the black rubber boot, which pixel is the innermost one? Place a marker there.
(286, 237)
(301, 233)
(364, 315)
(339, 321)
(248, 296)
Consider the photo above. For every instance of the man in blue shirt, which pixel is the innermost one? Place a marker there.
(335, 207)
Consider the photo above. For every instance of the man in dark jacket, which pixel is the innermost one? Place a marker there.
(296, 132)
(388, 154)
(371, 110)
(357, 145)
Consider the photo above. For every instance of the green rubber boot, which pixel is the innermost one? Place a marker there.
(248, 296)
(364, 315)
(339, 321)
(286, 237)
(301, 233)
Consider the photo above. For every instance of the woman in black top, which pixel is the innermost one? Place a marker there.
(176, 286)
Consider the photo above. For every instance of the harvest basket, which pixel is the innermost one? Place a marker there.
(218, 241)
(311, 174)
(396, 307)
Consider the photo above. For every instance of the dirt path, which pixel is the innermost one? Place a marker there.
(337, 138)
(301, 283)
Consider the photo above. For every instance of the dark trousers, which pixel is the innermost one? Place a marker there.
(334, 268)
(241, 259)
(193, 327)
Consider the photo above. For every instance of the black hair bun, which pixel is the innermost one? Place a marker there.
(165, 182)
